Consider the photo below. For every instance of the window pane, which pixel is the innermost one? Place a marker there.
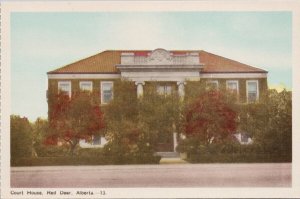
(107, 96)
(96, 140)
(212, 85)
(244, 137)
(107, 86)
(64, 87)
(164, 89)
(161, 90)
(168, 90)
(232, 86)
(86, 86)
(252, 86)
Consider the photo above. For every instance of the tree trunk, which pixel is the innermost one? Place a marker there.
(73, 145)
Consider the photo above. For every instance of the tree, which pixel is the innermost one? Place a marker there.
(20, 137)
(277, 138)
(160, 112)
(121, 117)
(73, 119)
(210, 117)
(135, 125)
(40, 130)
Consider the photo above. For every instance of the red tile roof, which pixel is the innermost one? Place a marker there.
(106, 61)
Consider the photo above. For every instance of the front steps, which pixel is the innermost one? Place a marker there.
(168, 154)
(172, 161)
(170, 158)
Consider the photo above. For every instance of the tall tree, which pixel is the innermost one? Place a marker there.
(73, 119)
(20, 137)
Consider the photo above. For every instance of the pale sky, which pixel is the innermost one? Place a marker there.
(41, 42)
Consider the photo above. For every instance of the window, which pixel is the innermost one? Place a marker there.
(164, 89)
(96, 140)
(212, 84)
(65, 87)
(244, 137)
(86, 86)
(252, 91)
(233, 86)
(106, 92)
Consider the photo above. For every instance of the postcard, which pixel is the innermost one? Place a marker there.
(150, 99)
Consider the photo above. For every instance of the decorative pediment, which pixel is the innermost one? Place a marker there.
(160, 57)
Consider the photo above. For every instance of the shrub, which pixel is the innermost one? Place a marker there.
(50, 151)
(59, 161)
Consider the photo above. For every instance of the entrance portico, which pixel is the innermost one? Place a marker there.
(160, 66)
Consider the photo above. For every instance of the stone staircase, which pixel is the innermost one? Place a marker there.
(168, 154)
(170, 158)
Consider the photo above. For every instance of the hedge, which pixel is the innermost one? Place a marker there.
(67, 160)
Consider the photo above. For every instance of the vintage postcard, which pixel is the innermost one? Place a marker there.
(150, 99)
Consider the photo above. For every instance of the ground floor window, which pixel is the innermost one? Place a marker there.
(96, 140)
(164, 89)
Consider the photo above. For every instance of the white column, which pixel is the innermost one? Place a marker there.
(139, 89)
(181, 88)
(175, 141)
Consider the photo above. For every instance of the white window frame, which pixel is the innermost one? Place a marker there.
(257, 86)
(212, 82)
(237, 85)
(101, 87)
(65, 82)
(85, 82)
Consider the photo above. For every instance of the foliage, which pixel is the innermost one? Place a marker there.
(159, 114)
(43, 150)
(210, 117)
(73, 119)
(40, 129)
(59, 161)
(268, 122)
(135, 125)
(277, 138)
(20, 137)
(121, 119)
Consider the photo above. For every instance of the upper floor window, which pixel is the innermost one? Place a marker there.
(65, 87)
(164, 89)
(252, 91)
(212, 84)
(233, 86)
(86, 85)
(106, 92)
